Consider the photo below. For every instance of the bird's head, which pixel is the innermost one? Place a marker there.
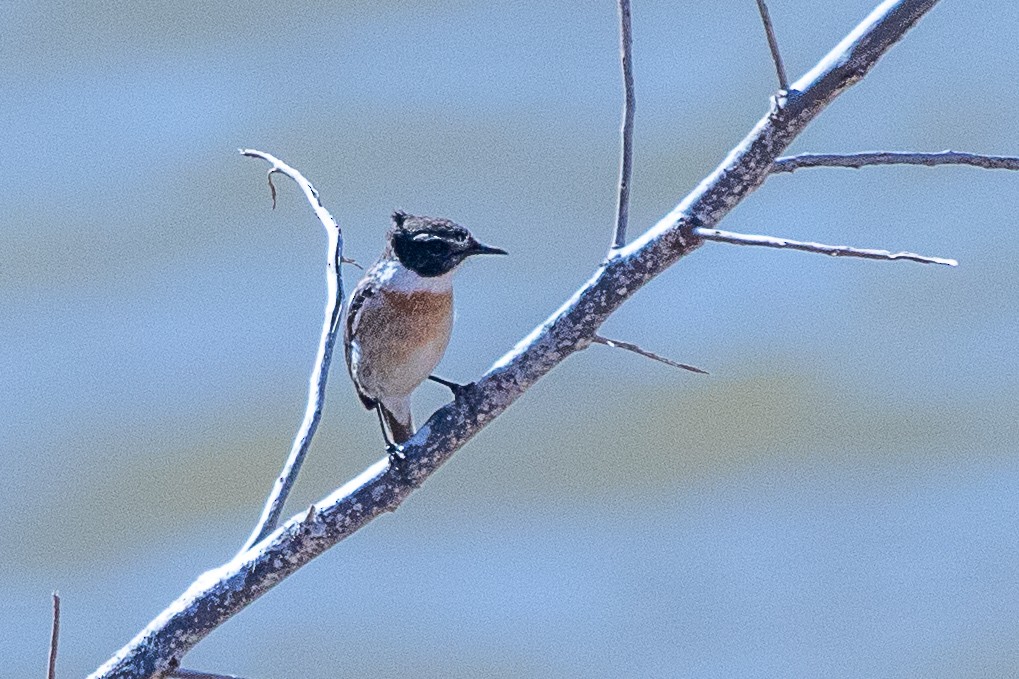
(430, 246)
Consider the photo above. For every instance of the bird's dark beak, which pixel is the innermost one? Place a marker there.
(477, 248)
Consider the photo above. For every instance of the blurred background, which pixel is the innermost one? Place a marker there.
(838, 497)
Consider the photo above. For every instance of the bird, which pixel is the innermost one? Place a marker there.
(399, 318)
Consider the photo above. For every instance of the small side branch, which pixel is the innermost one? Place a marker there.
(319, 374)
(776, 56)
(819, 248)
(629, 105)
(857, 160)
(193, 674)
(628, 346)
(51, 672)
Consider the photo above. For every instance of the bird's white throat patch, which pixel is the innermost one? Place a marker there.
(396, 277)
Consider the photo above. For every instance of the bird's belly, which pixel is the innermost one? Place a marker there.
(408, 336)
(416, 367)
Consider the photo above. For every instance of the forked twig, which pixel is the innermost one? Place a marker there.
(317, 385)
(819, 248)
(629, 346)
(858, 160)
(629, 106)
(776, 56)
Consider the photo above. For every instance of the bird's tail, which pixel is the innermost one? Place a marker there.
(398, 419)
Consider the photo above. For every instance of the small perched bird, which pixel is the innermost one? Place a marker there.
(400, 316)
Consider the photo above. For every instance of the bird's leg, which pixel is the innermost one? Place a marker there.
(396, 455)
(452, 386)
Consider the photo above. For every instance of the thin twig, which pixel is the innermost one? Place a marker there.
(819, 248)
(629, 346)
(54, 637)
(194, 674)
(320, 373)
(776, 56)
(221, 593)
(629, 105)
(857, 160)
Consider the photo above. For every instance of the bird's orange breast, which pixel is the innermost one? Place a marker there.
(401, 337)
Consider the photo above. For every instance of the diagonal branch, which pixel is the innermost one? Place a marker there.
(776, 56)
(317, 385)
(629, 106)
(640, 351)
(857, 160)
(222, 592)
(819, 248)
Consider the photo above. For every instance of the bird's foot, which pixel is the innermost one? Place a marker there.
(397, 458)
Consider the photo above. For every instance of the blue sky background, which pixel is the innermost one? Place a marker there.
(838, 497)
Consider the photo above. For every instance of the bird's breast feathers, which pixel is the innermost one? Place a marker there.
(398, 332)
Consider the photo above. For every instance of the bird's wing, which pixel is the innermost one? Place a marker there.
(362, 293)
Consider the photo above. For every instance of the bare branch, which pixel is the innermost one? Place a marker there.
(193, 674)
(51, 672)
(776, 56)
(629, 346)
(819, 248)
(857, 160)
(222, 592)
(629, 106)
(317, 384)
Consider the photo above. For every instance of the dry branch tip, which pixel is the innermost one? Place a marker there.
(316, 388)
(626, 130)
(817, 248)
(51, 672)
(194, 674)
(629, 346)
(272, 187)
(855, 161)
(776, 56)
(354, 262)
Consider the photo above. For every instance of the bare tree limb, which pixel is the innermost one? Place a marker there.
(630, 346)
(626, 172)
(320, 373)
(51, 672)
(819, 248)
(222, 592)
(193, 674)
(776, 56)
(629, 106)
(857, 160)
